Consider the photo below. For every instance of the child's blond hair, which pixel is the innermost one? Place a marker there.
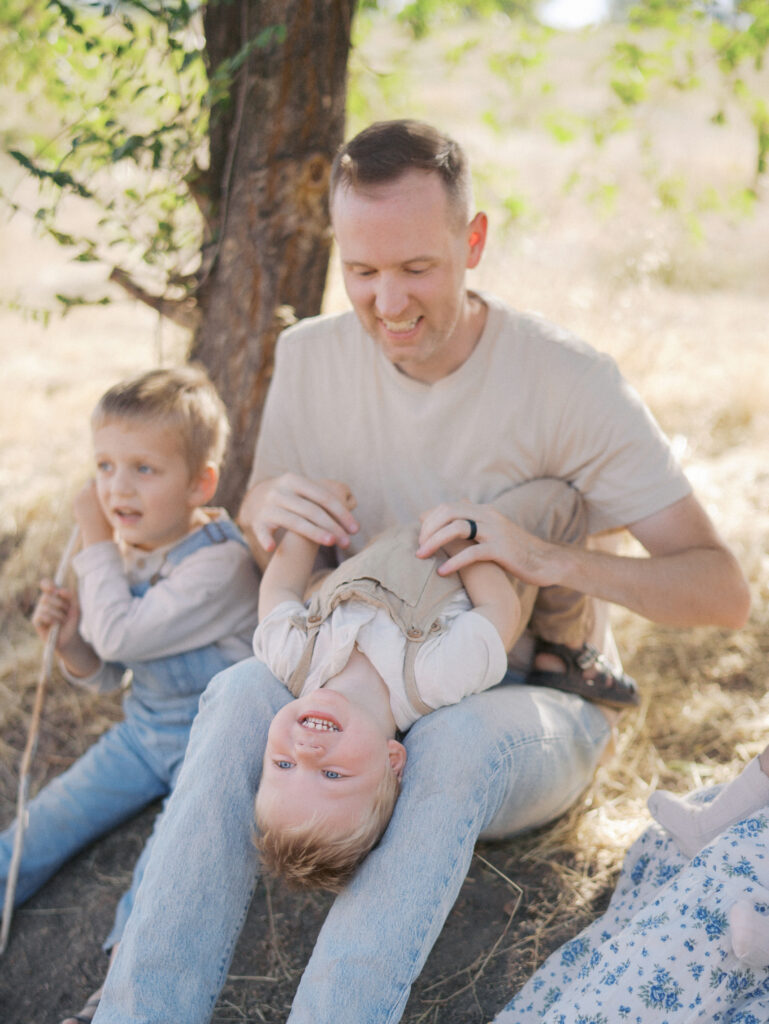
(308, 856)
(183, 397)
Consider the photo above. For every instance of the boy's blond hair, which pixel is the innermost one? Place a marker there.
(183, 397)
(308, 856)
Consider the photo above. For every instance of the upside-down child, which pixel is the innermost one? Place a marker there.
(167, 588)
(384, 640)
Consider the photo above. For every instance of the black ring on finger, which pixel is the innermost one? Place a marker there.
(473, 529)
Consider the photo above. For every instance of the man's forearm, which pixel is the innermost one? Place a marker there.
(696, 587)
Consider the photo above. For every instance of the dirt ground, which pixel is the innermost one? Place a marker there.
(485, 951)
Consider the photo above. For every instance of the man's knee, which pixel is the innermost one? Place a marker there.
(244, 686)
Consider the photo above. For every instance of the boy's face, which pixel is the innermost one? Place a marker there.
(145, 488)
(325, 755)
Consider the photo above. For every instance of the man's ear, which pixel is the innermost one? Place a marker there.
(203, 487)
(476, 239)
(397, 755)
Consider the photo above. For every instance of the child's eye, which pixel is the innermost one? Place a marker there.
(145, 470)
(331, 774)
(283, 764)
(103, 466)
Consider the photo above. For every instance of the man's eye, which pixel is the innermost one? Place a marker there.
(331, 774)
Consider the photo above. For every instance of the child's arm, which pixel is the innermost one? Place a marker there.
(491, 593)
(288, 572)
(58, 606)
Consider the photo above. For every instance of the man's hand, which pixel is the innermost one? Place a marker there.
(497, 539)
(319, 510)
(89, 515)
(690, 578)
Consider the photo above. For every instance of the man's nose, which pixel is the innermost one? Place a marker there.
(391, 297)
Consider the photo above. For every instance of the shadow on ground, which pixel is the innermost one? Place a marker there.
(485, 952)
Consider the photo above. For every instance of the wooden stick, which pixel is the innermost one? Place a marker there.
(29, 751)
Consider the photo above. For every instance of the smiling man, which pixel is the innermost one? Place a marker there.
(426, 400)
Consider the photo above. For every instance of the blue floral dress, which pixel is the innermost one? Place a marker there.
(661, 954)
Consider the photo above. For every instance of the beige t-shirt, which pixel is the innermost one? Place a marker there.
(531, 401)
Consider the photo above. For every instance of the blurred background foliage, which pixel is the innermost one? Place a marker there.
(110, 106)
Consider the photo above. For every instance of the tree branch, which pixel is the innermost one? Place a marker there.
(183, 312)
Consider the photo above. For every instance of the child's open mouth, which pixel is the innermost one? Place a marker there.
(127, 515)
(320, 723)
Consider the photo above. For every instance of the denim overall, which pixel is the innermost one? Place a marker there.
(132, 764)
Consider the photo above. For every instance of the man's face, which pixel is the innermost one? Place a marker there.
(404, 254)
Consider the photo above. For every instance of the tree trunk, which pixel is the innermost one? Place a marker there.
(266, 256)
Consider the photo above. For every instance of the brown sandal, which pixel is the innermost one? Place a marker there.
(606, 685)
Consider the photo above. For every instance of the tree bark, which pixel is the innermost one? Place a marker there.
(266, 208)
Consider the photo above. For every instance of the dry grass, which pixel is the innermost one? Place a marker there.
(685, 317)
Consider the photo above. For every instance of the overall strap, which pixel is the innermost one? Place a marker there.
(218, 531)
(299, 675)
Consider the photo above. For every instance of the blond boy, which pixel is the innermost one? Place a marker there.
(332, 765)
(385, 639)
(166, 588)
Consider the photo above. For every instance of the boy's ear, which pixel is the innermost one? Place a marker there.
(204, 485)
(397, 755)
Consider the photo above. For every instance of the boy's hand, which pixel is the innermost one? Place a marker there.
(94, 525)
(56, 606)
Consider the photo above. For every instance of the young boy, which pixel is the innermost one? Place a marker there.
(385, 639)
(166, 588)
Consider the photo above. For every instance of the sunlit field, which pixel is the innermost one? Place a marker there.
(674, 285)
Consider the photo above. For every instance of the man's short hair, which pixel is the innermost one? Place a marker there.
(309, 856)
(386, 150)
(183, 398)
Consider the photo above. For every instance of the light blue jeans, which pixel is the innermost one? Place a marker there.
(110, 783)
(494, 765)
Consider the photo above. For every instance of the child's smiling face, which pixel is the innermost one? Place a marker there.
(325, 755)
(144, 484)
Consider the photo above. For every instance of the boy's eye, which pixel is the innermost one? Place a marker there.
(283, 764)
(145, 470)
(103, 466)
(331, 774)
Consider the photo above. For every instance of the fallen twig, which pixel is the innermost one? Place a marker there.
(29, 750)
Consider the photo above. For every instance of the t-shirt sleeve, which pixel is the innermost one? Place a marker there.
(468, 658)
(278, 642)
(609, 446)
